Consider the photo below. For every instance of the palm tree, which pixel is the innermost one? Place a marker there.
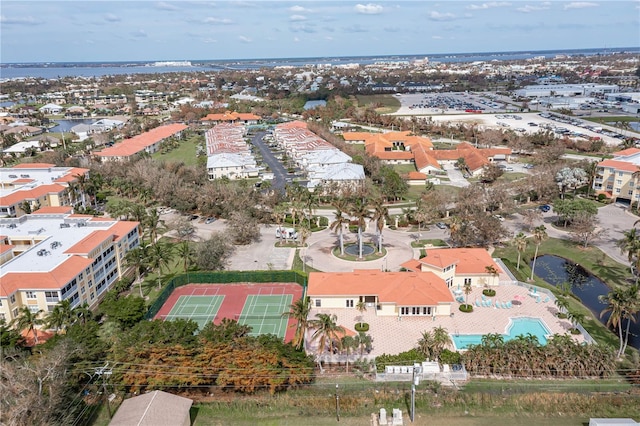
(426, 344)
(186, 253)
(539, 235)
(632, 306)
(160, 257)
(562, 304)
(441, 339)
(30, 321)
(339, 222)
(348, 345)
(380, 213)
(615, 307)
(280, 214)
(83, 183)
(305, 233)
(362, 308)
(630, 245)
(360, 210)
(327, 331)
(311, 201)
(60, 317)
(137, 258)
(299, 311)
(82, 313)
(363, 341)
(467, 291)
(152, 223)
(520, 243)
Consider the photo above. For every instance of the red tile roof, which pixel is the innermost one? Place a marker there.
(619, 165)
(231, 116)
(33, 166)
(129, 147)
(403, 288)
(19, 196)
(467, 260)
(54, 210)
(628, 151)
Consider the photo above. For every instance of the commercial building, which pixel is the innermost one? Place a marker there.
(53, 255)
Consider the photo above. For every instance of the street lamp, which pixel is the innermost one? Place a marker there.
(417, 369)
(337, 404)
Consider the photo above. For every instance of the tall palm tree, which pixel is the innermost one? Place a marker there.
(630, 245)
(363, 341)
(160, 257)
(60, 317)
(96, 182)
(631, 309)
(280, 214)
(615, 307)
(380, 214)
(362, 308)
(539, 235)
(520, 243)
(152, 222)
(138, 258)
(339, 221)
(30, 321)
(441, 339)
(186, 253)
(299, 311)
(348, 344)
(426, 344)
(83, 183)
(327, 331)
(359, 209)
(311, 202)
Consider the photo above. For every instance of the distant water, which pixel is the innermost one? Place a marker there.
(96, 69)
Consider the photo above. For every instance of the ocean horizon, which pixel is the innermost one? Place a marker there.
(52, 70)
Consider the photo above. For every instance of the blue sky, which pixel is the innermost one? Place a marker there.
(58, 31)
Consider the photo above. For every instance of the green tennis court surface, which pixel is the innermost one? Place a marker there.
(201, 309)
(264, 314)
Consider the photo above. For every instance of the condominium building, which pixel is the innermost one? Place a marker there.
(617, 177)
(53, 255)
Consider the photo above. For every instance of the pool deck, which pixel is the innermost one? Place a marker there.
(392, 335)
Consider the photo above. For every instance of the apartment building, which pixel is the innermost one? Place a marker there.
(617, 177)
(53, 255)
(29, 186)
(145, 143)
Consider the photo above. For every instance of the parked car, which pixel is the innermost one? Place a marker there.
(545, 208)
(193, 217)
(210, 220)
(441, 225)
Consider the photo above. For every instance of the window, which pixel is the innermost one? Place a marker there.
(618, 181)
(13, 298)
(349, 303)
(31, 294)
(318, 303)
(15, 312)
(34, 309)
(631, 192)
(617, 190)
(1, 316)
(467, 281)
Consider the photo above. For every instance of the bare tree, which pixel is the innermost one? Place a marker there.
(584, 228)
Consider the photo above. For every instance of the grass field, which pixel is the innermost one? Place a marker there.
(384, 104)
(185, 152)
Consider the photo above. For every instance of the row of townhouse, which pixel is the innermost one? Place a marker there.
(618, 177)
(228, 155)
(323, 163)
(426, 289)
(405, 148)
(231, 117)
(30, 186)
(145, 143)
(53, 255)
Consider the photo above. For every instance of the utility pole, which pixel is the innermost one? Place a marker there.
(337, 404)
(417, 369)
(105, 372)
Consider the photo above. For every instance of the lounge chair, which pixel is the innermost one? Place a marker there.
(546, 299)
(489, 303)
(477, 303)
(509, 305)
(498, 305)
(538, 299)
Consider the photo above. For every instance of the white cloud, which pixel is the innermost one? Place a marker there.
(166, 6)
(579, 5)
(223, 21)
(27, 20)
(299, 9)
(529, 8)
(437, 16)
(436, 37)
(368, 9)
(244, 39)
(110, 17)
(297, 18)
(139, 34)
(488, 5)
(296, 39)
(209, 40)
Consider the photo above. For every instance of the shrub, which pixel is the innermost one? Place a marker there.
(466, 308)
(489, 292)
(450, 357)
(602, 197)
(362, 326)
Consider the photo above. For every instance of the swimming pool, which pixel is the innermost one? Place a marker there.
(516, 327)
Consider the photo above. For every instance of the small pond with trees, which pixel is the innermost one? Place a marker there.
(588, 288)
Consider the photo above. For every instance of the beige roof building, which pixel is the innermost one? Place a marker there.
(155, 408)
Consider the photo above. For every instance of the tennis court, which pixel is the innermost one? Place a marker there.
(264, 314)
(201, 309)
(259, 306)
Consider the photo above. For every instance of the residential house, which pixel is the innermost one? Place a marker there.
(51, 109)
(231, 117)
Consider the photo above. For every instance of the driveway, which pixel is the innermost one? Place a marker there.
(615, 220)
(455, 176)
(278, 170)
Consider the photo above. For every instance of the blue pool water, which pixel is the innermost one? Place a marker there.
(516, 327)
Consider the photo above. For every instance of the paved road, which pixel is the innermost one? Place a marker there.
(278, 170)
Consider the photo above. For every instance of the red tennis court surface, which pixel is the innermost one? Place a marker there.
(235, 296)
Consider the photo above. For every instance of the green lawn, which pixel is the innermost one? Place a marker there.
(384, 104)
(185, 152)
(403, 169)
